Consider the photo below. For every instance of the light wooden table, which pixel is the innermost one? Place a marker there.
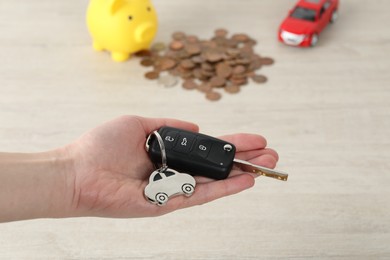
(325, 110)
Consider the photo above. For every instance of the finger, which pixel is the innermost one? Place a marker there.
(202, 179)
(250, 155)
(266, 160)
(151, 124)
(246, 142)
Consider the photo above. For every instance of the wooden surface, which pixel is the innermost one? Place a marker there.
(325, 110)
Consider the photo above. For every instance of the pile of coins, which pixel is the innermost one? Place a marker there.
(209, 66)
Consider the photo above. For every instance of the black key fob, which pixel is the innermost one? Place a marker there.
(193, 153)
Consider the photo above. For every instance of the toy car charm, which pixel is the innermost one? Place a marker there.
(167, 183)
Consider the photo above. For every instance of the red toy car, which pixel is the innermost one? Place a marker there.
(306, 21)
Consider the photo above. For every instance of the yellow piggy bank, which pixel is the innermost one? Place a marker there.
(121, 27)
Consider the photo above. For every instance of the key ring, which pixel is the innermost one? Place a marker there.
(162, 148)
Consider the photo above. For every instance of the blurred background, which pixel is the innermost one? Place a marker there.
(326, 110)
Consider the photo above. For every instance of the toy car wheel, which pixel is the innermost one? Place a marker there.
(188, 189)
(161, 198)
(314, 40)
(334, 16)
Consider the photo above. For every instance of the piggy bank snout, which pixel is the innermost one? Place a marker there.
(145, 32)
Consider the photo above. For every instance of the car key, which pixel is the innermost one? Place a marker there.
(199, 154)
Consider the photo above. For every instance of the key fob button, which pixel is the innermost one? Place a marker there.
(170, 138)
(202, 147)
(184, 143)
(221, 157)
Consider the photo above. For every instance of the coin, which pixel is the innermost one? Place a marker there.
(175, 72)
(192, 39)
(213, 96)
(207, 73)
(213, 55)
(168, 81)
(217, 82)
(147, 62)
(232, 89)
(193, 49)
(243, 61)
(152, 75)
(190, 84)
(187, 64)
(221, 32)
(143, 53)
(241, 37)
(239, 82)
(239, 70)
(232, 52)
(178, 36)
(176, 45)
(197, 73)
(158, 46)
(207, 66)
(197, 59)
(167, 64)
(255, 65)
(259, 78)
(204, 87)
(267, 61)
(224, 70)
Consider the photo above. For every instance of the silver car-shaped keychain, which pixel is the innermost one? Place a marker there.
(165, 184)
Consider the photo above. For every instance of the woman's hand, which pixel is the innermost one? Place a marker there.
(111, 169)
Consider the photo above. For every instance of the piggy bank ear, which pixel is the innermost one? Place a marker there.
(115, 5)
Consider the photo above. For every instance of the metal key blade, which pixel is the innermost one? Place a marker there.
(260, 170)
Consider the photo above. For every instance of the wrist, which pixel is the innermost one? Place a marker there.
(62, 176)
(35, 185)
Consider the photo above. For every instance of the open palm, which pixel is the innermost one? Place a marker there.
(112, 168)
